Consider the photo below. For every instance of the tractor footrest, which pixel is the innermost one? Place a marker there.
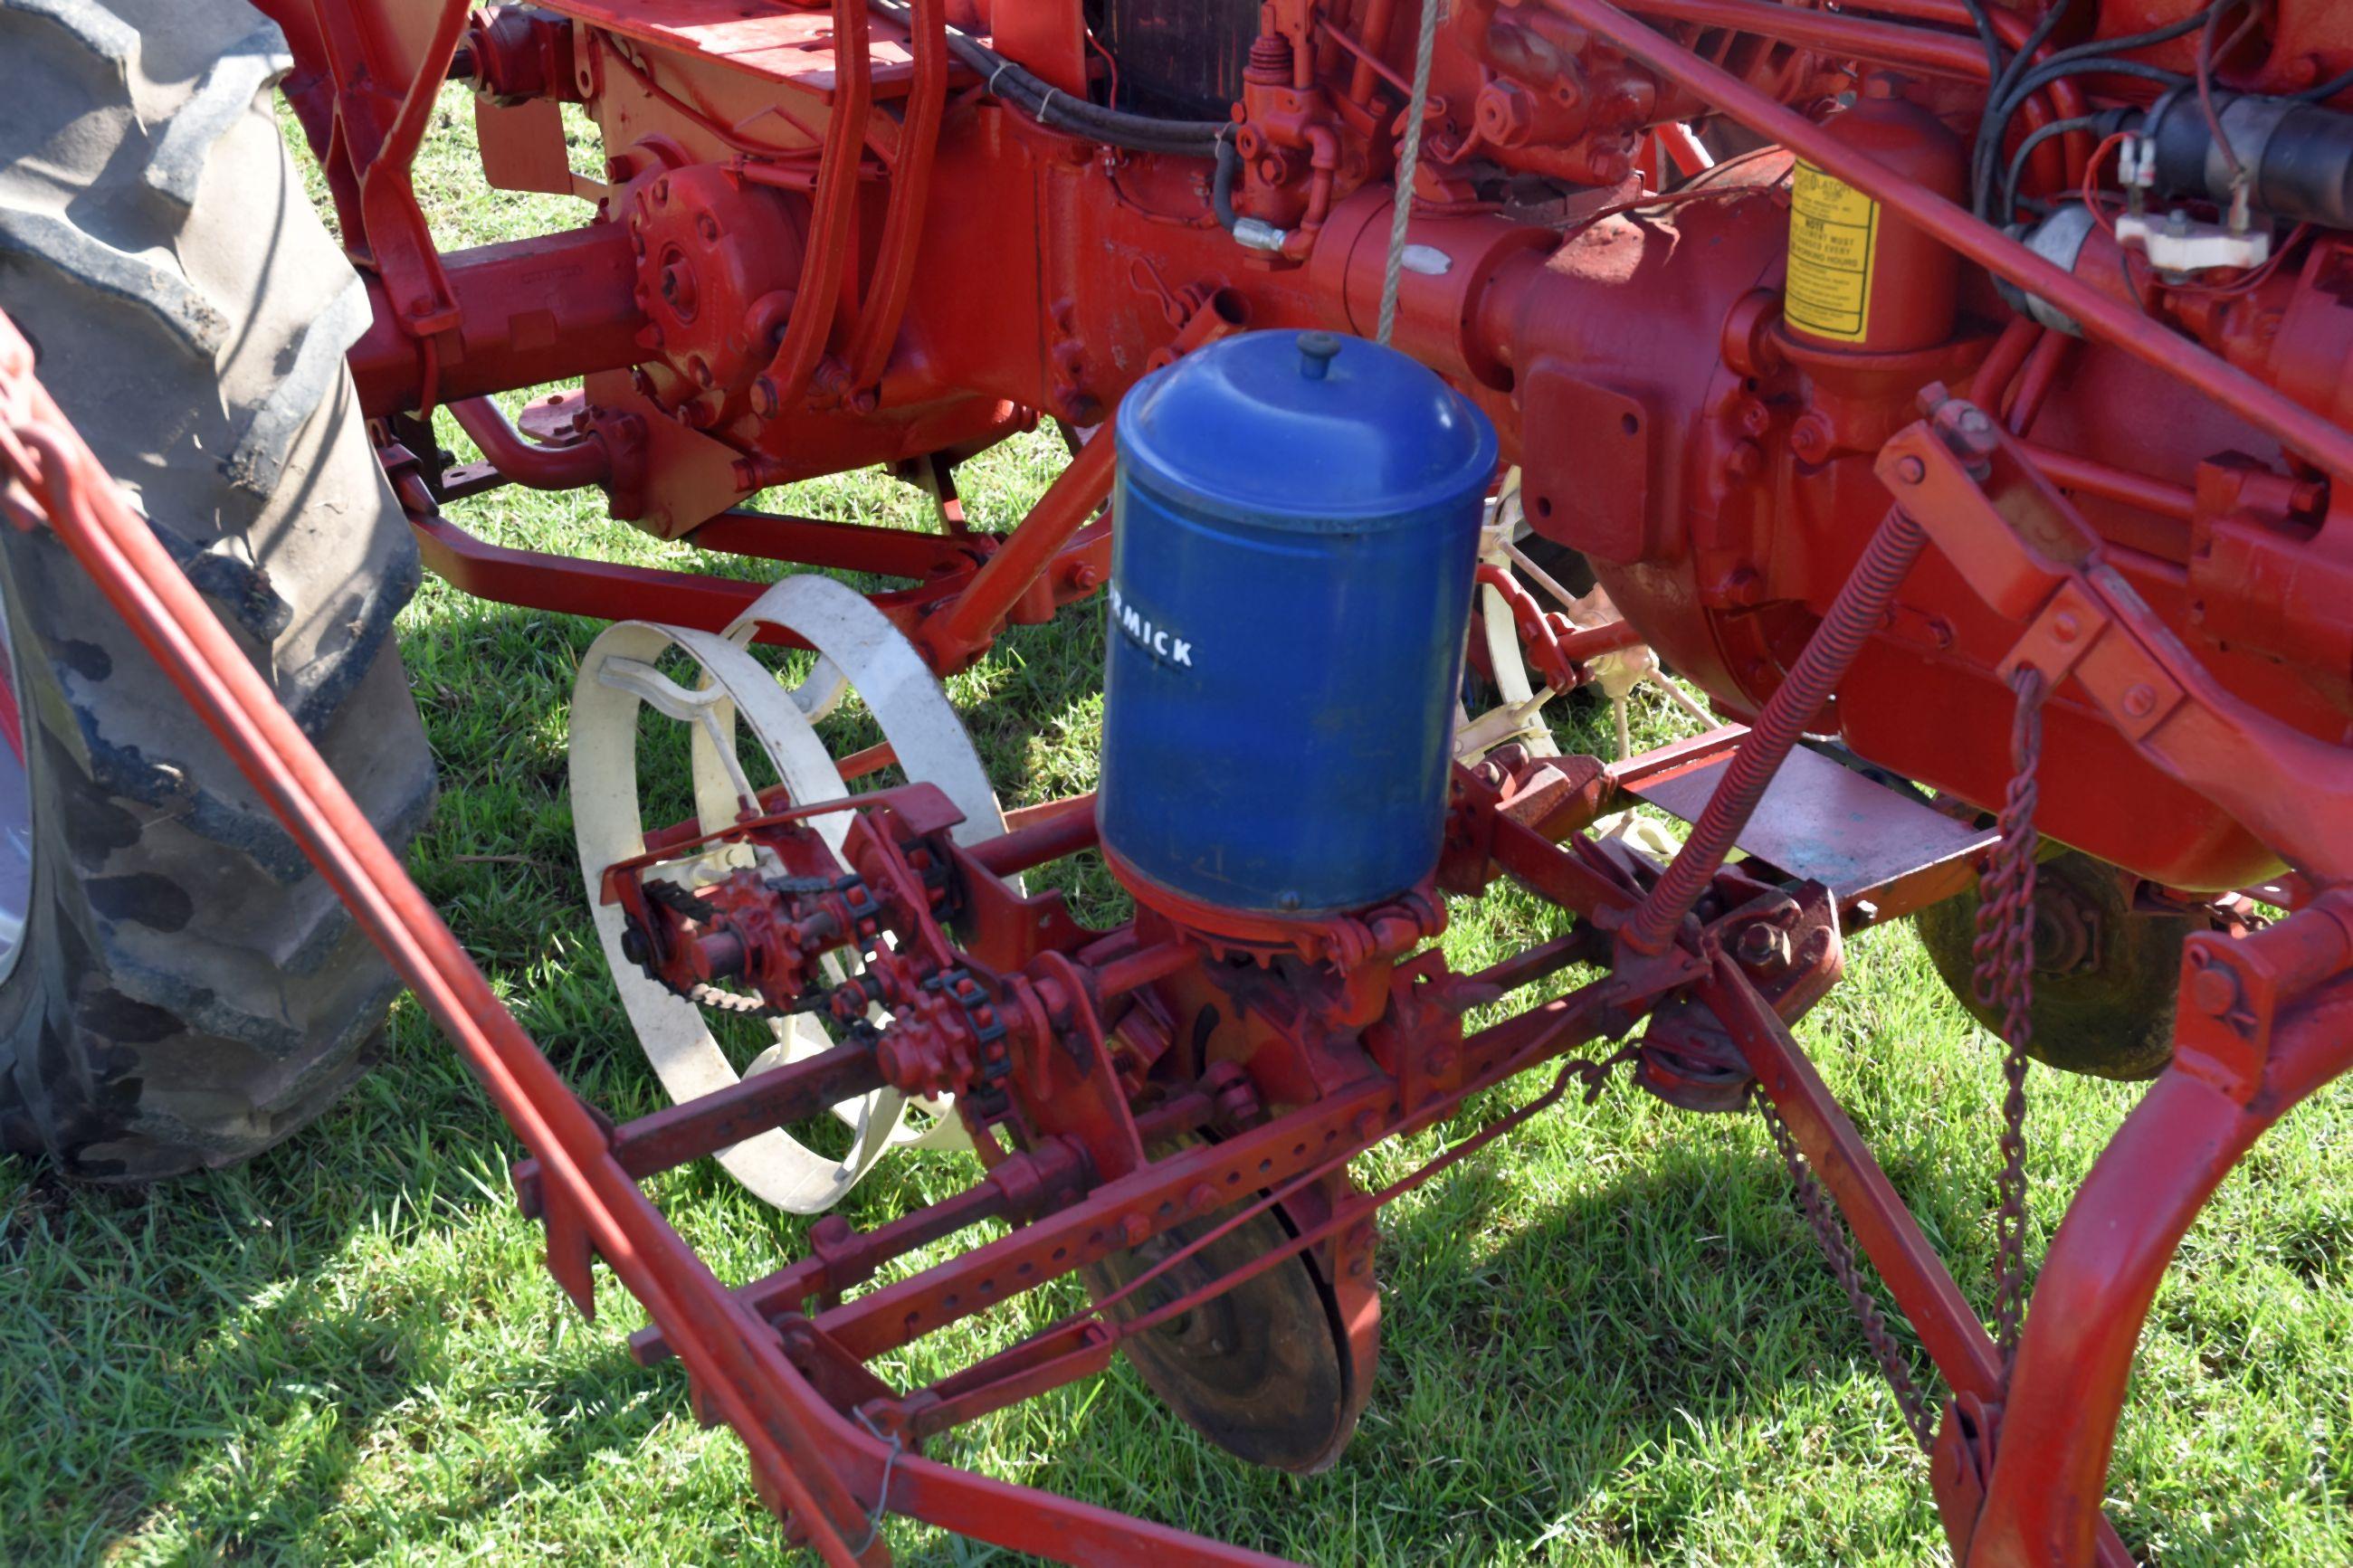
(1879, 851)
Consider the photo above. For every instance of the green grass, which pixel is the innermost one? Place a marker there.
(1608, 1339)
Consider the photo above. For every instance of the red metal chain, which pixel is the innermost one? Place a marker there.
(1830, 1236)
(2004, 951)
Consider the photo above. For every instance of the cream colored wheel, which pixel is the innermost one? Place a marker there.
(860, 650)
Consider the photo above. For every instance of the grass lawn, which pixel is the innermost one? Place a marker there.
(1609, 1341)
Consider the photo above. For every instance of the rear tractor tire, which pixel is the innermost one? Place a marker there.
(178, 988)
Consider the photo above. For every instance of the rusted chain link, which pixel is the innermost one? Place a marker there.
(711, 997)
(1829, 1234)
(2004, 949)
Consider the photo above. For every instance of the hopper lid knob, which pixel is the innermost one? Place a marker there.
(1316, 351)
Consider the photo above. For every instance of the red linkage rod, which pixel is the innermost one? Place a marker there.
(721, 1343)
(2295, 426)
(1831, 33)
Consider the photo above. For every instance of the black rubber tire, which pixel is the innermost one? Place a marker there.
(189, 991)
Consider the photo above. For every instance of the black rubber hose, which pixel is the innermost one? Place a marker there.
(2326, 89)
(1987, 39)
(1221, 187)
(1060, 110)
(1999, 89)
(2026, 150)
(2096, 57)
(2099, 48)
(2051, 71)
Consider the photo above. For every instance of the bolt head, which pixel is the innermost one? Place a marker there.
(1760, 945)
(2066, 627)
(1809, 438)
(2214, 991)
(1911, 471)
(2140, 701)
(1505, 114)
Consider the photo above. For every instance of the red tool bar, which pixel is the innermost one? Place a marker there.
(1016, 1189)
(1115, 1217)
(1307, 1139)
(1038, 833)
(850, 546)
(2105, 317)
(723, 1345)
(692, 1129)
(567, 585)
(605, 590)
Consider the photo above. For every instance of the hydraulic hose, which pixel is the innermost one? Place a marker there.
(1253, 233)
(1058, 111)
(1221, 184)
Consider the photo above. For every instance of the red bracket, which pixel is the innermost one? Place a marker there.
(2029, 555)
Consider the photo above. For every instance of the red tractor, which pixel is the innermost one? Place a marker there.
(1953, 391)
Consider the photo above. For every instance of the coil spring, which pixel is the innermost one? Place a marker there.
(1854, 614)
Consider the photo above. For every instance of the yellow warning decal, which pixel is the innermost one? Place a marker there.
(1833, 242)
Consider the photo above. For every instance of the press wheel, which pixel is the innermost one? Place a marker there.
(1263, 1371)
